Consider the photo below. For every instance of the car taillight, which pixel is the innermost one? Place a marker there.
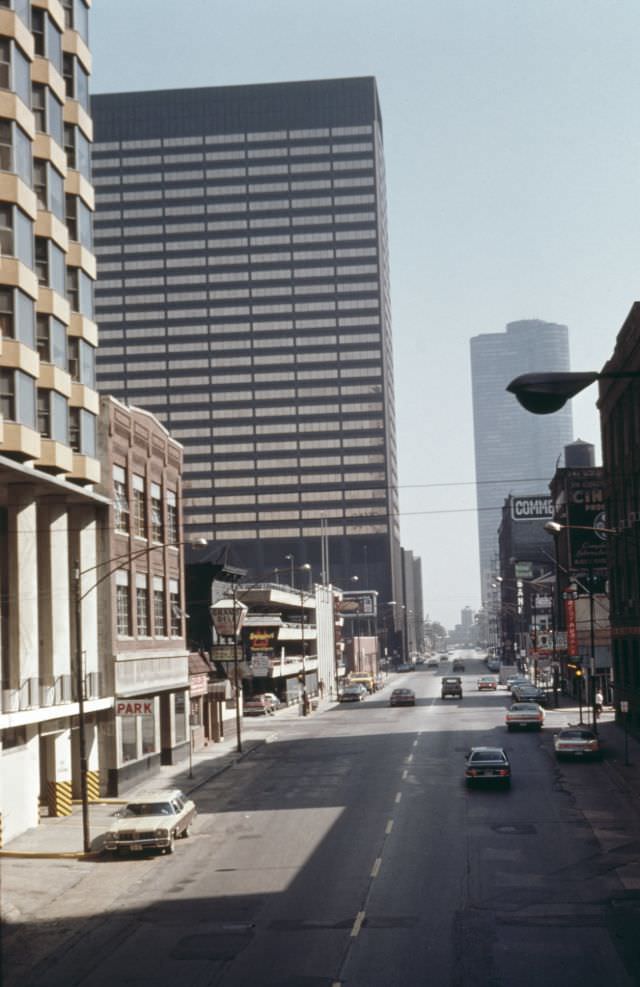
(503, 772)
(593, 745)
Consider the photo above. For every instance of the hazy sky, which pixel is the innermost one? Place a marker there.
(512, 145)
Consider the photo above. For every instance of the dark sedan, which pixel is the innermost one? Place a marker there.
(487, 764)
(402, 697)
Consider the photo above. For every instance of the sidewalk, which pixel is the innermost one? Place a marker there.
(621, 757)
(62, 836)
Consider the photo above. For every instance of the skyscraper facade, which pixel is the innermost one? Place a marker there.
(515, 451)
(241, 234)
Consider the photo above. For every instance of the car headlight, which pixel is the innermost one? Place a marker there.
(162, 833)
(111, 836)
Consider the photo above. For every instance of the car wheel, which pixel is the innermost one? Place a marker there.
(185, 831)
(172, 844)
(510, 727)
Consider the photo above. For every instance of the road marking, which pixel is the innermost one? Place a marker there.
(375, 870)
(404, 774)
(415, 743)
(357, 925)
(398, 797)
(410, 759)
(389, 827)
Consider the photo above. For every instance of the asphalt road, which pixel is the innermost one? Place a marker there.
(349, 851)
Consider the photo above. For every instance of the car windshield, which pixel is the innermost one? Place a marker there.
(488, 756)
(149, 809)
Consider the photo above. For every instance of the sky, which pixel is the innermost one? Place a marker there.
(512, 147)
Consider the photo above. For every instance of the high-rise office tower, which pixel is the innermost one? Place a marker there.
(244, 299)
(515, 451)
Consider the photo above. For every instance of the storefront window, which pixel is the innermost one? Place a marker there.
(149, 734)
(129, 738)
(180, 707)
(196, 719)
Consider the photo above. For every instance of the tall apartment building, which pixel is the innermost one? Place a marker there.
(244, 300)
(49, 519)
(514, 450)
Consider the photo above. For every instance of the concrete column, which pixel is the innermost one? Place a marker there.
(55, 632)
(57, 757)
(85, 547)
(23, 586)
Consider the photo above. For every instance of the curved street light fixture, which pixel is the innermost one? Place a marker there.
(545, 393)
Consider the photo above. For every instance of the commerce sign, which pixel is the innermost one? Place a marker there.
(534, 508)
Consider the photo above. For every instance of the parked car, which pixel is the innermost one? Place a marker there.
(487, 764)
(493, 665)
(458, 665)
(261, 705)
(366, 679)
(152, 821)
(353, 694)
(526, 716)
(528, 693)
(576, 742)
(402, 697)
(514, 680)
(277, 703)
(451, 686)
(433, 662)
(404, 668)
(487, 682)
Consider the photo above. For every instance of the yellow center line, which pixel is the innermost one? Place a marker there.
(398, 797)
(389, 827)
(375, 870)
(357, 925)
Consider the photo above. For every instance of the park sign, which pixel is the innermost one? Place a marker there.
(535, 507)
(137, 707)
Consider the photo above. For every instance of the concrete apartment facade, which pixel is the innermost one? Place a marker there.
(50, 520)
(244, 300)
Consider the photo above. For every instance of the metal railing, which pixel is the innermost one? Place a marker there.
(48, 690)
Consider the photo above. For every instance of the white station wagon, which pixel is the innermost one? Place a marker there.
(151, 821)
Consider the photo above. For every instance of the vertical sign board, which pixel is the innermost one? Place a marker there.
(572, 631)
(585, 493)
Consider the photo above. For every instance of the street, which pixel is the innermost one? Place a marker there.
(348, 850)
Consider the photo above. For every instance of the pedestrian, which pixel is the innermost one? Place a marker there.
(321, 688)
(599, 702)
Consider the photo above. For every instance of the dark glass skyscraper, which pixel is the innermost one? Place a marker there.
(516, 452)
(243, 298)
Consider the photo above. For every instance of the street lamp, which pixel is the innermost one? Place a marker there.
(544, 393)
(555, 528)
(291, 560)
(309, 569)
(79, 596)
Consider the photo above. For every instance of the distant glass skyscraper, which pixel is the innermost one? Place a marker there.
(515, 451)
(244, 299)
